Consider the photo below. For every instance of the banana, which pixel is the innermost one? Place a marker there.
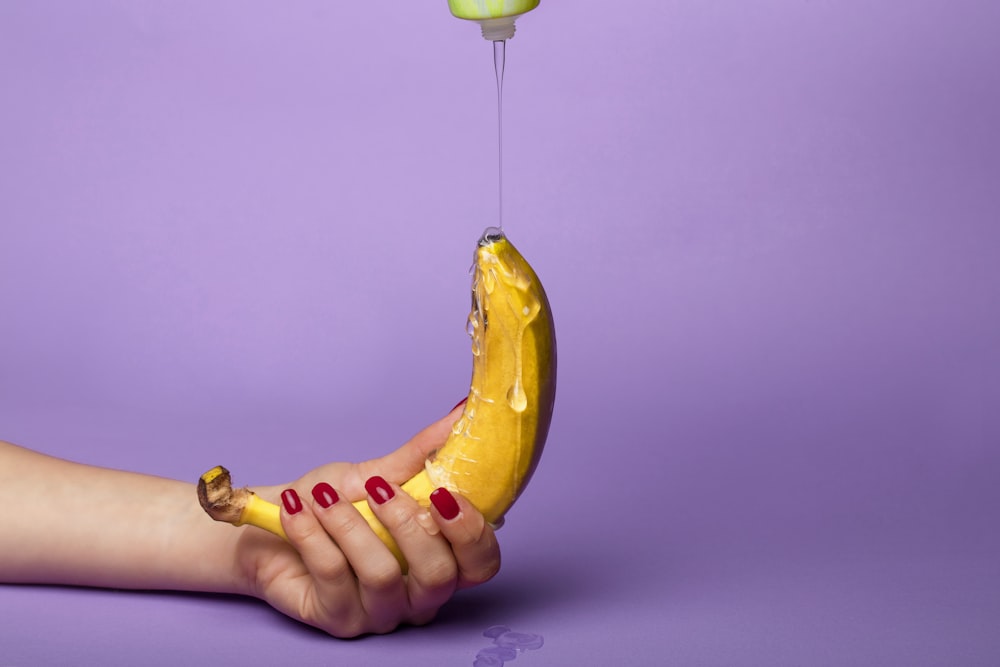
(495, 445)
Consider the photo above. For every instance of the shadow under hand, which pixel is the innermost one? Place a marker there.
(543, 584)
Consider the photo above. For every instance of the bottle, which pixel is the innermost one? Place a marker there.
(495, 16)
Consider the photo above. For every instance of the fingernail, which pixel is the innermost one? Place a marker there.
(445, 503)
(325, 495)
(291, 500)
(379, 489)
(460, 403)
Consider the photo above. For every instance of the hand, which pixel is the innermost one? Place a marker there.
(337, 575)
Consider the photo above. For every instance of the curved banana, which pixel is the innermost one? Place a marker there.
(495, 445)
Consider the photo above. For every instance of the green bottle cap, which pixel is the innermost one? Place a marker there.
(477, 10)
(496, 17)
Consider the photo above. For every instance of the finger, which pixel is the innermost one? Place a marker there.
(378, 575)
(332, 602)
(433, 573)
(473, 541)
(401, 464)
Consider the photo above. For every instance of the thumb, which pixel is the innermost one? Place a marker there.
(403, 463)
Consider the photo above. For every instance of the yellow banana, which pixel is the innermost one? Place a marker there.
(496, 443)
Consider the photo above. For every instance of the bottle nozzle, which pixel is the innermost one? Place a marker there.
(498, 29)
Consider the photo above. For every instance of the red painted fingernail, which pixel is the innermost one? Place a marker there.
(291, 500)
(379, 489)
(445, 503)
(325, 495)
(460, 403)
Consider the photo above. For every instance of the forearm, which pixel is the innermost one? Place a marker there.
(68, 523)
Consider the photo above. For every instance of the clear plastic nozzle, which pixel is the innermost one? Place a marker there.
(498, 29)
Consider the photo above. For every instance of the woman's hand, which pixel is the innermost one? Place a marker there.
(86, 525)
(336, 574)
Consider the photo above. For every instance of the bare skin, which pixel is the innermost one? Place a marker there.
(83, 525)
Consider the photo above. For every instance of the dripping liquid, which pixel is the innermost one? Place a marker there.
(499, 56)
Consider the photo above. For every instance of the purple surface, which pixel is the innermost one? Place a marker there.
(769, 232)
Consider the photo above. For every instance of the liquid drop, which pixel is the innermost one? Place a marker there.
(516, 398)
(506, 646)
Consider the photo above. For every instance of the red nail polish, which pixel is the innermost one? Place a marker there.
(325, 495)
(291, 500)
(379, 489)
(445, 503)
(460, 403)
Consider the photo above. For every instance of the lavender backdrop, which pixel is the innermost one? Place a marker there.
(230, 231)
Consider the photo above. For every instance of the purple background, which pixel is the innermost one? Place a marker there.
(236, 231)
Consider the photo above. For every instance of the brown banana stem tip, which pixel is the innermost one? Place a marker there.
(218, 497)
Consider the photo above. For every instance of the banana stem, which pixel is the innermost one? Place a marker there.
(237, 506)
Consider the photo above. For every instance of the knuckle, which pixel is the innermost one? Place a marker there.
(332, 571)
(424, 617)
(397, 516)
(336, 617)
(464, 540)
(405, 524)
(435, 575)
(305, 532)
(346, 628)
(483, 572)
(440, 573)
(471, 534)
(385, 627)
(342, 524)
(382, 577)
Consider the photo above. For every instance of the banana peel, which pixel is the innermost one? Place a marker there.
(496, 443)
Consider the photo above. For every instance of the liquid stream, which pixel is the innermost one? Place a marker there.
(499, 57)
